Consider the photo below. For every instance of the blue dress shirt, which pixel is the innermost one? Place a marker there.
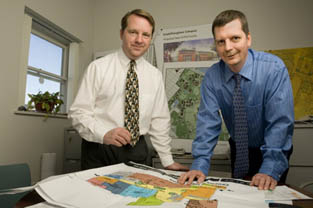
(269, 104)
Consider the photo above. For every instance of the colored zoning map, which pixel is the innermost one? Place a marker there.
(299, 62)
(183, 92)
(154, 191)
(137, 185)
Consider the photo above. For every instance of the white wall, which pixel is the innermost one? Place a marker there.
(274, 24)
(25, 138)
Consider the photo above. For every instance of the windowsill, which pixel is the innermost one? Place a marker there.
(48, 115)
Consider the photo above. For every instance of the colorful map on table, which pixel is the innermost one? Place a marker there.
(153, 191)
(299, 62)
(137, 185)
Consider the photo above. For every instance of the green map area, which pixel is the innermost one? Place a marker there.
(299, 62)
(183, 92)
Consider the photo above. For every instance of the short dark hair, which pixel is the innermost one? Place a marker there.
(138, 12)
(229, 15)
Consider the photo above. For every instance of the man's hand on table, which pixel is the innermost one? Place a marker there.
(260, 180)
(263, 182)
(190, 176)
(177, 167)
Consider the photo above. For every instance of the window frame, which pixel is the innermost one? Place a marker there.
(63, 79)
(35, 22)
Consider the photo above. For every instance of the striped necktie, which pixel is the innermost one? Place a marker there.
(131, 117)
(241, 165)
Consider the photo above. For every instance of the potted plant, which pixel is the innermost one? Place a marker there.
(45, 102)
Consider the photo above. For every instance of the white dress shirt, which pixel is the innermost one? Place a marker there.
(99, 104)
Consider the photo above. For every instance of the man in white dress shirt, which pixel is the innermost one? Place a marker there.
(98, 109)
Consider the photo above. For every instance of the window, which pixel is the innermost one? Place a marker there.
(49, 60)
(47, 65)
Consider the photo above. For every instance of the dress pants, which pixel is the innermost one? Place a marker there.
(94, 155)
(255, 161)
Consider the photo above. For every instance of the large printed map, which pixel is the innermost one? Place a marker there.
(299, 62)
(137, 185)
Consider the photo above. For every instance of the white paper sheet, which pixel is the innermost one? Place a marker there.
(284, 193)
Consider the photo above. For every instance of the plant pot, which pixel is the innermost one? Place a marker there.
(38, 107)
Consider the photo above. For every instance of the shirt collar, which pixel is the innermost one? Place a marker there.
(246, 70)
(125, 60)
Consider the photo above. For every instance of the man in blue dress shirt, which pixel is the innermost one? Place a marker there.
(268, 103)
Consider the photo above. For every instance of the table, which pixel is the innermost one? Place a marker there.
(305, 203)
(29, 199)
(220, 167)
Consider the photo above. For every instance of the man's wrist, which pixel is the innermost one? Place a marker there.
(167, 160)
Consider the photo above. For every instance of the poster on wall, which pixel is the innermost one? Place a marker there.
(299, 62)
(184, 54)
(185, 47)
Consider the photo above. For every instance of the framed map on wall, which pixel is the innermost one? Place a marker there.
(299, 62)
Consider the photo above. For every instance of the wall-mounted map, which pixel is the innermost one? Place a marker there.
(182, 87)
(299, 62)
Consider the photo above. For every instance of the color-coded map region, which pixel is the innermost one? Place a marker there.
(151, 190)
(202, 204)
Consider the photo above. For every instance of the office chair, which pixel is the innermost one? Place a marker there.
(307, 186)
(13, 176)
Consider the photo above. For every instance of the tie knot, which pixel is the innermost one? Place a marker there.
(132, 63)
(237, 79)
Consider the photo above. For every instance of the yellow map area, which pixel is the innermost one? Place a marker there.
(299, 62)
(177, 194)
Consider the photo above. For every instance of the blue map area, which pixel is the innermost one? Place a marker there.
(136, 192)
(126, 189)
(115, 176)
(116, 188)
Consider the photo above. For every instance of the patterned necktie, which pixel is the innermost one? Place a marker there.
(241, 165)
(131, 117)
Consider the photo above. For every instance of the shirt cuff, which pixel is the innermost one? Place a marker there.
(167, 160)
(273, 171)
(201, 164)
(99, 134)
